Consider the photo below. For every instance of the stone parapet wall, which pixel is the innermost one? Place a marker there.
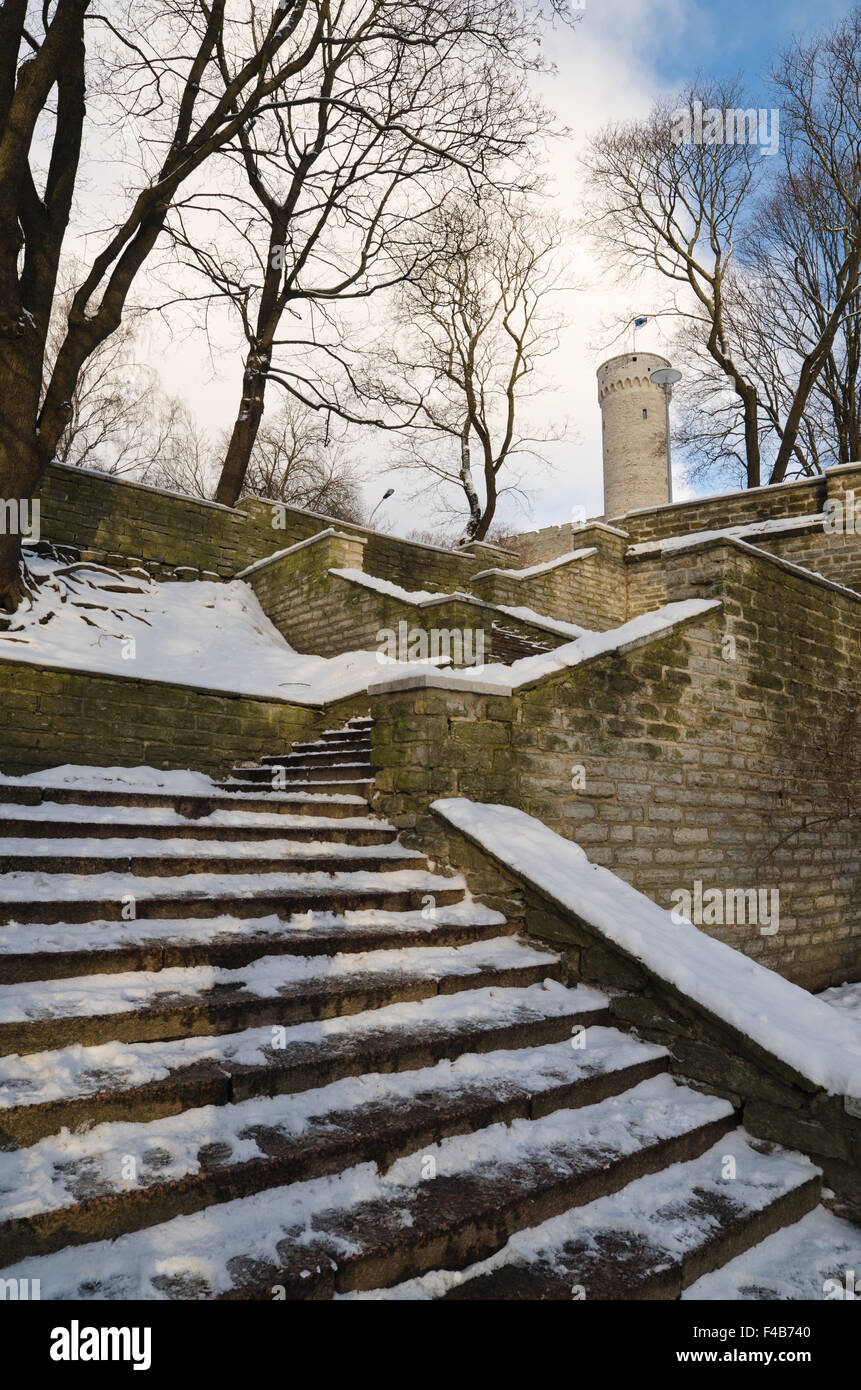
(588, 590)
(776, 1102)
(118, 522)
(691, 751)
(326, 613)
(51, 717)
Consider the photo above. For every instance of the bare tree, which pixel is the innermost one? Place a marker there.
(179, 454)
(187, 75)
(115, 403)
(472, 330)
(334, 176)
(295, 460)
(675, 207)
(761, 256)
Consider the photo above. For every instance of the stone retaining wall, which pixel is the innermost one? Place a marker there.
(51, 717)
(775, 1102)
(693, 758)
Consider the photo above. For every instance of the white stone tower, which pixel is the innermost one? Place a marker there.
(634, 433)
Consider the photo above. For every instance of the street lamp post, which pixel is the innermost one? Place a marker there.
(666, 378)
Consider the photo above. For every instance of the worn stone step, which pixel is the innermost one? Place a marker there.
(52, 952)
(353, 830)
(649, 1241)
(818, 1258)
(49, 898)
(160, 859)
(44, 1092)
(336, 772)
(69, 1189)
(360, 790)
(363, 1230)
(332, 740)
(193, 805)
(321, 757)
(275, 990)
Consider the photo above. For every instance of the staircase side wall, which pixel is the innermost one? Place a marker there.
(51, 717)
(693, 759)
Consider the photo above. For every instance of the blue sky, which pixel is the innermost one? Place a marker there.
(719, 37)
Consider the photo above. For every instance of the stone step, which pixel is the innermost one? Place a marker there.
(226, 797)
(353, 830)
(649, 1241)
(363, 1230)
(52, 952)
(817, 1258)
(85, 1086)
(332, 740)
(277, 990)
(54, 898)
(319, 757)
(305, 772)
(69, 1189)
(165, 859)
(360, 790)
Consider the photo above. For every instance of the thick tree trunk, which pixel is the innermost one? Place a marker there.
(20, 460)
(245, 430)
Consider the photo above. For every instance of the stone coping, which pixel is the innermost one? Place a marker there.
(457, 683)
(86, 674)
(329, 534)
(715, 543)
(761, 530)
(122, 481)
(543, 568)
(781, 1020)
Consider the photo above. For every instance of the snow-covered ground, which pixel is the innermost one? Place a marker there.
(216, 636)
(199, 633)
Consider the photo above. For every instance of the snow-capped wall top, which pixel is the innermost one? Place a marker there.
(818, 1042)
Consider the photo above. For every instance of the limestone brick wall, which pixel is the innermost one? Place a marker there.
(54, 716)
(700, 755)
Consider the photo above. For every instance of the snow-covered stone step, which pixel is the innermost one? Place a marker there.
(276, 990)
(323, 755)
(71, 1187)
(40, 1093)
(360, 789)
(649, 1240)
(362, 1229)
(46, 897)
(148, 857)
(333, 740)
(52, 951)
(818, 1258)
(157, 823)
(225, 796)
(305, 771)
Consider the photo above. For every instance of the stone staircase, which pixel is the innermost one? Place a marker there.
(252, 1047)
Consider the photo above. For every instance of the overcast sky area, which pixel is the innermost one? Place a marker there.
(620, 57)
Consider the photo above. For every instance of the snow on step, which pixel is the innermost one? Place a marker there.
(67, 1073)
(142, 848)
(648, 1230)
(320, 1220)
(63, 1169)
(110, 887)
(810, 1260)
(267, 978)
(57, 937)
(123, 815)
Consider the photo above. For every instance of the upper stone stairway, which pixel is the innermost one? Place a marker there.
(253, 1047)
